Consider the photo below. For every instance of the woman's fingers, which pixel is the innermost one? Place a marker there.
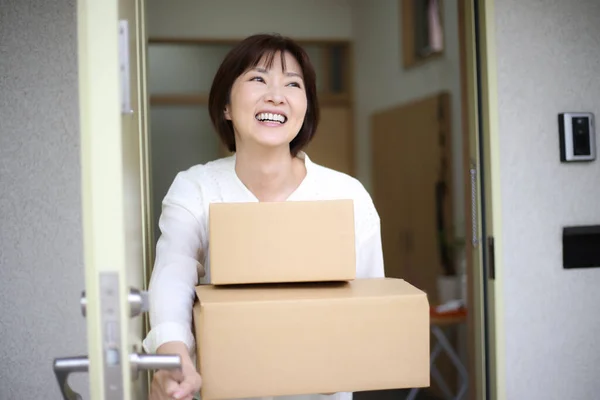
(190, 385)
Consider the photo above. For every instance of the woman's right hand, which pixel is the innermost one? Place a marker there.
(181, 384)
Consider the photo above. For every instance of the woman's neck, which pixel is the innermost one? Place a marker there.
(271, 175)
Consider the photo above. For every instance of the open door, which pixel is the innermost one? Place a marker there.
(483, 188)
(115, 202)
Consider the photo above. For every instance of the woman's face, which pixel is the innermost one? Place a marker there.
(267, 106)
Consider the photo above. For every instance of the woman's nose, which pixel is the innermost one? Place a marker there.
(274, 95)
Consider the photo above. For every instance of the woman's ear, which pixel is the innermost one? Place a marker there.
(227, 113)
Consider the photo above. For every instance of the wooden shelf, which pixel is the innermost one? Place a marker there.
(178, 99)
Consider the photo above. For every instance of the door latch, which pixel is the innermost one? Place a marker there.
(139, 302)
(110, 322)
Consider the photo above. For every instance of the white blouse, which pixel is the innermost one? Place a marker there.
(183, 245)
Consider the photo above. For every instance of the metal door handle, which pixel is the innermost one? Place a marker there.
(143, 362)
(474, 217)
(63, 368)
(109, 301)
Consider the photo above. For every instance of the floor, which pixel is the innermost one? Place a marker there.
(391, 395)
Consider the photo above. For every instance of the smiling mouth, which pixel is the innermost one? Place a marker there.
(270, 117)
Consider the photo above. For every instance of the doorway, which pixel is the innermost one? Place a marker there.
(395, 95)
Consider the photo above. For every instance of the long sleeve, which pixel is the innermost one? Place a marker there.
(175, 274)
(369, 250)
(370, 257)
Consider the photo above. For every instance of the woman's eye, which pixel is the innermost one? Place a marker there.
(294, 84)
(257, 79)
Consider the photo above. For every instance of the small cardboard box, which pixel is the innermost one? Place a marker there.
(281, 242)
(290, 339)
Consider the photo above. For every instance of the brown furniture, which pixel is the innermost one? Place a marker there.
(411, 152)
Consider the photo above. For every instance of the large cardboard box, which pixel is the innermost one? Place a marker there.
(274, 242)
(271, 340)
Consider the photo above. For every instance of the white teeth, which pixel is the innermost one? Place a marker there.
(271, 117)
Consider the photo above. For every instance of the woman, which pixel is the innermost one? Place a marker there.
(263, 104)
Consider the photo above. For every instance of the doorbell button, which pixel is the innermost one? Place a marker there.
(577, 136)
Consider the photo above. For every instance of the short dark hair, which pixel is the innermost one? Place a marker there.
(246, 55)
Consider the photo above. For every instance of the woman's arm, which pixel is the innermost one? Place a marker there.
(369, 250)
(175, 273)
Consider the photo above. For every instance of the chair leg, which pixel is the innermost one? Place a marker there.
(455, 359)
(432, 357)
(412, 395)
(444, 345)
(435, 373)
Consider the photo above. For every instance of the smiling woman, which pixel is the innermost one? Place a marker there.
(264, 107)
(268, 74)
(268, 98)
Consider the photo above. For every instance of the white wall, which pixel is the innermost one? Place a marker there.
(239, 18)
(381, 82)
(41, 253)
(548, 58)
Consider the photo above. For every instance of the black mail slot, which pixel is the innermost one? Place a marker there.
(581, 246)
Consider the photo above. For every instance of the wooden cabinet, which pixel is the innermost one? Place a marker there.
(411, 162)
(332, 144)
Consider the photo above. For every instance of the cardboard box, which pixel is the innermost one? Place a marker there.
(271, 340)
(307, 241)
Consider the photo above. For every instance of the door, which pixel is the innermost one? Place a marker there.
(488, 184)
(484, 253)
(115, 197)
